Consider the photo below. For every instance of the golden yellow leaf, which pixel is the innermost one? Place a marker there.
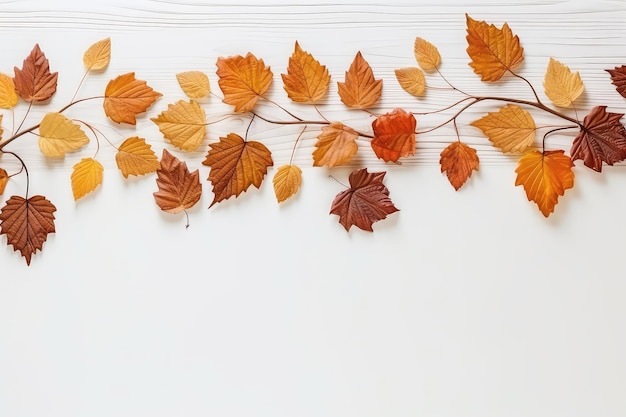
(125, 97)
(561, 85)
(183, 124)
(361, 90)
(426, 54)
(195, 84)
(335, 145)
(412, 80)
(287, 181)
(86, 177)
(58, 135)
(4, 179)
(511, 129)
(8, 96)
(243, 80)
(1, 129)
(98, 55)
(136, 157)
(306, 80)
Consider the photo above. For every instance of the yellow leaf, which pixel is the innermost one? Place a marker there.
(8, 96)
(183, 124)
(58, 135)
(335, 145)
(86, 177)
(98, 55)
(412, 80)
(426, 54)
(195, 84)
(136, 157)
(1, 129)
(511, 129)
(561, 85)
(306, 80)
(4, 179)
(287, 181)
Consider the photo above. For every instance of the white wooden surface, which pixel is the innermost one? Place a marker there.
(461, 304)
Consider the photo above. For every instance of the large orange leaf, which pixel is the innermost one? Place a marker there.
(361, 90)
(306, 80)
(458, 161)
(511, 129)
(179, 189)
(236, 164)
(136, 157)
(125, 97)
(545, 176)
(335, 145)
(34, 82)
(287, 181)
(561, 85)
(243, 80)
(394, 135)
(183, 124)
(493, 51)
(27, 223)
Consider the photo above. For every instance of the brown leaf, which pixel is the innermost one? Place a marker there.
(618, 78)
(125, 97)
(360, 90)
(511, 128)
(34, 82)
(136, 157)
(4, 179)
(306, 80)
(336, 145)
(365, 202)
(27, 223)
(179, 189)
(458, 161)
(426, 54)
(394, 135)
(287, 181)
(243, 80)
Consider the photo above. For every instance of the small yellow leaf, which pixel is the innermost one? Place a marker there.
(8, 96)
(412, 80)
(4, 179)
(426, 54)
(58, 135)
(98, 55)
(287, 181)
(511, 129)
(183, 124)
(195, 84)
(136, 157)
(86, 177)
(561, 85)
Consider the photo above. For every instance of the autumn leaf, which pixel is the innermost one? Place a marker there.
(287, 181)
(511, 129)
(179, 189)
(4, 179)
(125, 97)
(394, 135)
(86, 177)
(336, 145)
(618, 78)
(602, 138)
(493, 51)
(8, 96)
(236, 165)
(195, 84)
(545, 176)
(136, 157)
(183, 124)
(59, 135)
(243, 80)
(1, 129)
(360, 90)
(458, 161)
(98, 55)
(306, 80)
(426, 54)
(561, 85)
(411, 80)
(34, 82)
(365, 202)
(27, 223)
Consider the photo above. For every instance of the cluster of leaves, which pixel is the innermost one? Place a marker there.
(236, 162)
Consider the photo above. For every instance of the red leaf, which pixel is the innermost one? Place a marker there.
(34, 82)
(394, 135)
(179, 189)
(458, 161)
(618, 77)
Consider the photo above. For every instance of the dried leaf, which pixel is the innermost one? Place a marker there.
(136, 157)
(8, 96)
(59, 135)
(34, 82)
(4, 179)
(27, 223)
(394, 135)
(125, 97)
(458, 161)
(86, 177)
(195, 84)
(360, 90)
(98, 55)
(365, 202)
(243, 80)
(426, 54)
(561, 85)
(179, 189)
(287, 181)
(493, 51)
(336, 145)
(306, 80)
(412, 80)
(618, 78)
(1, 129)
(602, 138)
(183, 124)
(511, 129)
(236, 165)
(545, 176)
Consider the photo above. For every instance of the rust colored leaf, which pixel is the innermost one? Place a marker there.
(618, 78)
(125, 97)
(287, 181)
(426, 54)
(411, 80)
(561, 85)
(98, 55)
(27, 223)
(458, 161)
(183, 124)
(179, 189)
(336, 145)
(8, 97)
(195, 84)
(34, 82)
(394, 135)
(136, 157)
(243, 80)
(365, 202)
(511, 129)
(236, 165)
(493, 51)
(360, 90)
(4, 179)
(545, 176)
(306, 80)
(602, 138)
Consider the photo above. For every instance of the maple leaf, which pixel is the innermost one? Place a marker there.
(394, 135)
(426, 54)
(34, 82)
(27, 223)
(243, 80)
(561, 85)
(195, 84)
(98, 55)
(8, 96)
(136, 157)
(86, 177)
(365, 202)
(179, 189)
(287, 181)
(493, 51)
(236, 165)
(360, 90)
(59, 135)
(183, 124)
(602, 138)
(618, 78)
(545, 176)
(306, 80)
(335, 145)
(4, 179)
(412, 80)
(458, 161)
(511, 129)
(125, 97)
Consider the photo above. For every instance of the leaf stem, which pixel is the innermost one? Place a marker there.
(282, 108)
(25, 170)
(529, 84)
(293, 151)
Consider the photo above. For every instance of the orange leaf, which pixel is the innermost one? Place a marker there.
(545, 176)
(98, 55)
(394, 135)
(179, 189)
(195, 84)
(34, 82)
(360, 90)
(243, 80)
(335, 145)
(458, 161)
(236, 165)
(125, 97)
(511, 129)
(426, 54)
(86, 177)
(411, 80)
(8, 97)
(287, 181)
(27, 223)
(493, 51)
(306, 80)
(136, 157)
(183, 124)
(4, 179)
